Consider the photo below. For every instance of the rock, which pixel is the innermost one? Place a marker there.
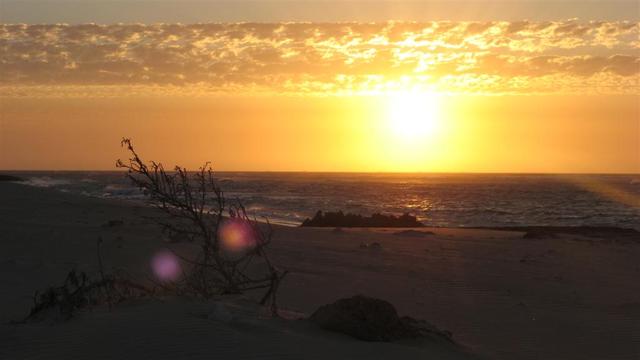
(340, 219)
(361, 317)
(371, 319)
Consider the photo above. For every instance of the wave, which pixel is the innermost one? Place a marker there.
(46, 181)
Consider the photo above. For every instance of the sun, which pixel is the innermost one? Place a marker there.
(413, 116)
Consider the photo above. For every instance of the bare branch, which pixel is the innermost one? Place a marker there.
(194, 207)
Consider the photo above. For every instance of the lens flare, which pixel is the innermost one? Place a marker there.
(165, 266)
(237, 235)
(613, 192)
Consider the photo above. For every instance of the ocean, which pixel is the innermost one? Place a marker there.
(451, 200)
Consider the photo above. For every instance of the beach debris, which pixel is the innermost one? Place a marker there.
(372, 319)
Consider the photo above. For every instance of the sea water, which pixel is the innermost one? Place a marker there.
(458, 200)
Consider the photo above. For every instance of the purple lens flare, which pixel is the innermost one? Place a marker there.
(166, 266)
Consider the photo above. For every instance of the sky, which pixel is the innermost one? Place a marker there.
(474, 86)
(192, 11)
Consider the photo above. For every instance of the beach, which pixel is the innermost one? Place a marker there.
(501, 295)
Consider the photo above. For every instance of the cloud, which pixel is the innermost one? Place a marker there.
(491, 57)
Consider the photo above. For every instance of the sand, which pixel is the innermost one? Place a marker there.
(502, 296)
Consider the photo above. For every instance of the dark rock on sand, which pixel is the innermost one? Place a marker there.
(372, 319)
(10, 178)
(340, 219)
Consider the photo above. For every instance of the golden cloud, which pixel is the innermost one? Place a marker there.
(327, 58)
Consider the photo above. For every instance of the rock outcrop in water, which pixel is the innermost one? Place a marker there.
(340, 219)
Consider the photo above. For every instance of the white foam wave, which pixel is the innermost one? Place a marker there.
(46, 181)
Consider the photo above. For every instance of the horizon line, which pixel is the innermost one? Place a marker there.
(349, 172)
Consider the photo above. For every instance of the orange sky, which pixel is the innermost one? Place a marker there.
(446, 96)
(476, 134)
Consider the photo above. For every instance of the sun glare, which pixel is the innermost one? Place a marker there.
(414, 116)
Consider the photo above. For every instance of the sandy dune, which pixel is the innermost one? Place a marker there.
(505, 297)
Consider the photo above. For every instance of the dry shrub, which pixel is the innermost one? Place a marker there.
(232, 256)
